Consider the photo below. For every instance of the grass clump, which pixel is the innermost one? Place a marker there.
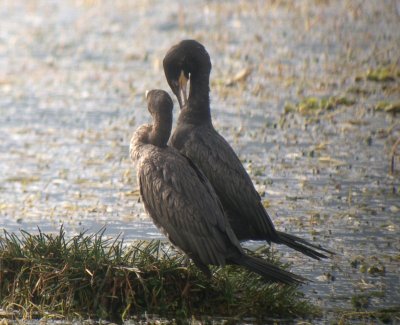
(91, 276)
(382, 74)
(388, 107)
(382, 316)
(362, 301)
(313, 105)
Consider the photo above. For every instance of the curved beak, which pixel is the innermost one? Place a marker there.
(182, 93)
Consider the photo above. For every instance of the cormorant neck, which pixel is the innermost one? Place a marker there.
(198, 107)
(160, 131)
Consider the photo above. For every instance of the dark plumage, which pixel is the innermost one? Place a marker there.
(197, 139)
(182, 202)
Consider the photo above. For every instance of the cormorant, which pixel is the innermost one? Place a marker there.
(182, 202)
(196, 138)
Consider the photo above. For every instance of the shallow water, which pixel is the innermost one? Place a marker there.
(72, 81)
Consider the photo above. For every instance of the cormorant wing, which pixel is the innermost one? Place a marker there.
(185, 206)
(216, 158)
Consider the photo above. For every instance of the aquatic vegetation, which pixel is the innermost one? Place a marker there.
(385, 315)
(92, 276)
(313, 105)
(359, 91)
(381, 74)
(371, 265)
(376, 270)
(24, 179)
(362, 301)
(389, 107)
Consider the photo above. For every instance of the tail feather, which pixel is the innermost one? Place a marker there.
(302, 245)
(268, 271)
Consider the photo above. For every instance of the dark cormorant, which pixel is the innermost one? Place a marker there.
(196, 138)
(182, 202)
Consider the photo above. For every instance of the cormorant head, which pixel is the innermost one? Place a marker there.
(183, 62)
(159, 103)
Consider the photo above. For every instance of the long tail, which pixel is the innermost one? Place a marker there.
(268, 271)
(302, 245)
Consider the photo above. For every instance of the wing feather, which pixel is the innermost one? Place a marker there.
(216, 158)
(185, 206)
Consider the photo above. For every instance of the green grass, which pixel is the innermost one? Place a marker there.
(388, 107)
(89, 276)
(382, 74)
(381, 316)
(313, 105)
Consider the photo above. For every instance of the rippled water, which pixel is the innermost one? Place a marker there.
(72, 82)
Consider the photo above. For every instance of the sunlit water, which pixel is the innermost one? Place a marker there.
(72, 82)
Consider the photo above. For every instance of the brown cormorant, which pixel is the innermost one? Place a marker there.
(196, 138)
